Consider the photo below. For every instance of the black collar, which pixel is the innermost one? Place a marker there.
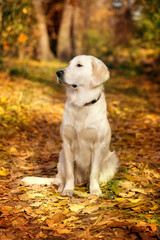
(93, 101)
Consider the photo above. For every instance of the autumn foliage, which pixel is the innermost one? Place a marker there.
(124, 34)
(37, 39)
(31, 108)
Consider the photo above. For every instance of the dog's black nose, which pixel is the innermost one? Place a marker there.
(60, 73)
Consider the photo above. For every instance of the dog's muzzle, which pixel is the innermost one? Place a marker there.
(60, 75)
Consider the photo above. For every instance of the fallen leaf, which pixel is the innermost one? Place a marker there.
(63, 230)
(56, 218)
(134, 200)
(70, 219)
(36, 195)
(90, 209)
(4, 173)
(126, 184)
(80, 193)
(76, 207)
(140, 190)
(36, 204)
(19, 222)
(118, 224)
(41, 235)
(13, 151)
(144, 224)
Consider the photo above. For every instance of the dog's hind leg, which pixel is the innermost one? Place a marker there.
(108, 168)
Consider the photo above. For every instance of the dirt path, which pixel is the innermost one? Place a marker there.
(31, 107)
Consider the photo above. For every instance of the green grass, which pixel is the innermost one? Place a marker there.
(111, 189)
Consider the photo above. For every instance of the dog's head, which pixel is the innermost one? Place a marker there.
(83, 70)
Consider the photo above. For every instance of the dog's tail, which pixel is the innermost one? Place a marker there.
(109, 167)
(37, 180)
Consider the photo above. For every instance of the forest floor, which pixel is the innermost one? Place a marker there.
(31, 108)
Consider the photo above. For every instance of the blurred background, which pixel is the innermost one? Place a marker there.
(125, 34)
(39, 37)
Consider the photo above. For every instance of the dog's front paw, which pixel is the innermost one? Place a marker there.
(67, 192)
(60, 188)
(96, 191)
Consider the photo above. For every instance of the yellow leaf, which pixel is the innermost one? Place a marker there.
(4, 173)
(119, 199)
(36, 204)
(3, 99)
(140, 190)
(70, 219)
(155, 207)
(76, 207)
(22, 188)
(134, 200)
(80, 193)
(42, 219)
(133, 178)
(19, 221)
(90, 209)
(14, 151)
(35, 195)
(24, 10)
(61, 197)
(127, 184)
(1, 110)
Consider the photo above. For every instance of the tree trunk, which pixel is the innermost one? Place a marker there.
(64, 43)
(44, 51)
(78, 29)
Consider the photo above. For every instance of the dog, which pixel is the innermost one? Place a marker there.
(85, 129)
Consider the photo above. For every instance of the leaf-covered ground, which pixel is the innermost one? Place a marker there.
(31, 108)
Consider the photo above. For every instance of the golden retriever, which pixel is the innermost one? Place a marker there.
(85, 129)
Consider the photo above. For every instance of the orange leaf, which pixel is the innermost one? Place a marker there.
(22, 38)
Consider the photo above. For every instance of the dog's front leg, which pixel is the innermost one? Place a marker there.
(95, 172)
(69, 169)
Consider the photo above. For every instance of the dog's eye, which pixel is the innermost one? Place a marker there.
(79, 65)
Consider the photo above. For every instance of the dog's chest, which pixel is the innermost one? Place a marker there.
(81, 142)
(77, 127)
(78, 119)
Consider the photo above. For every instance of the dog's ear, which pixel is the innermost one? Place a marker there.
(100, 72)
